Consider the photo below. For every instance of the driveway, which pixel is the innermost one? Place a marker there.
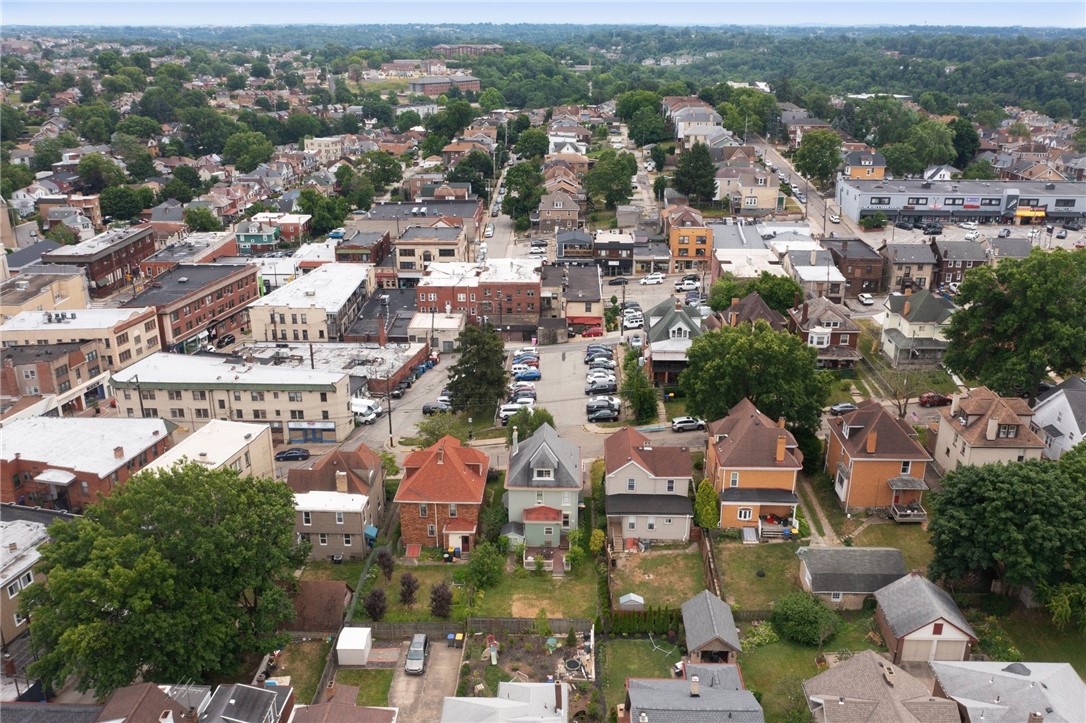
(420, 697)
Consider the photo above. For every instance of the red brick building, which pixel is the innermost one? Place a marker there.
(435, 85)
(441, 494)
(110, 260)
(73, 371)
(505, 291)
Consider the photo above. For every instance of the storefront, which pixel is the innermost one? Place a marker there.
(311, 432)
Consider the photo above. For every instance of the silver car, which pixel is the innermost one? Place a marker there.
(417, 654)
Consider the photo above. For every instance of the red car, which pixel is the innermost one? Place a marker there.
(934, 399)
(592, 331)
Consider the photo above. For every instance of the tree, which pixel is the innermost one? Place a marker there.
(247, 150)
(491, 99)
(63, 235)
(980, 170)
(818, 155)
(524, 184)
(407, 120)
(140, 166)
(638, 393)
(933, 143)
(966, 141)
(120, 202)
(188, 176)
(999, 518)
(385, 563)
(382, 168)
(409, 585)
(775, 370)
(98, 172)
(629, 103)
(375, 604)
(195, 560)
(804, 619)
(12, 122)
(1020, 319)
(609, 179)
(526, 422)
(207, 129)
(201, 219)
(778, 292)
(327, 212)
(706, 505)
(883, 120)
(659, 156)
(532, 143)
(430, 429)
(647, 126)
(597, 541)
(901, 159)
(441, 601)
(177, 190)
(695, 175)
(575, 555)
(485, 566)
(477, 379)
(659, 187)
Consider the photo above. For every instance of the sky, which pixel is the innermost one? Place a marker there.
(979, 13)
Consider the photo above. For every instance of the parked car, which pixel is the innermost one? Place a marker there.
(629, 305)
(618, 281)
(904, 225)
(968, 225)
(601, 363)
(603, 401)
(488, 232)
(595, 354)
(934, 399)
(291, 455)
(604, 374)
(654, 278)
(518, 368)
(972, 236)
(521, 385)
(686, 424)
(843, 408)
(603, 415)
(1062, 233)
(687, 285)
(600, 387)
(228, 339)
(933, 230)
(522, 394)
(633, 322)
(691, 277)
(634, 341)
(538, 243)
(431, 408)
(834, 218)
(532, 375)
(592, 331)
(865, 299)
(954, 287)
(417, 654)
(398, 391)
(537, 251)
(1004, 233)
(1073, 226)
(506, 411)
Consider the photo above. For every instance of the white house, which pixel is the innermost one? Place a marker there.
(1059, 417)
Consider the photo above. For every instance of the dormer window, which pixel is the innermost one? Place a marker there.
(1008, 431)
(680, 332)
(543, 473)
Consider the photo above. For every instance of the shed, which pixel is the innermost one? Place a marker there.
(711, 635)
(631, 601)
(920, 621)
(844, 577)
(353, 646)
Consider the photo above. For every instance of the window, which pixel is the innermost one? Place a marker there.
(446, 253)
(339, 518)
(1064, 202)
(322, 538)
(918, 201)
(631, 523)
(423, 511)
(1008, 431)
(307, 518)
(452, 509)
(746, 513)
(256, 396)
(667, 520)
(844, 339)
(567, 499)
(346, 540)
(937, 629)
(835, 596)
(147, 394)
(734, 481)
(652, 522)
(222, 404)
(294, 396)
(539, 497)
(260, 414)
(431, 531)
(879, 201)
(199, 396)
(174, 396)
(906, 466)
(631, 484)
(30, 374)
(324, 397)
(19, 585)
(297, 414)
(565, 520)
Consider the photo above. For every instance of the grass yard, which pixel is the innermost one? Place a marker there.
(304, 663)
(428, 576)
(840, 391)
(633, 659)
(523, 595)
(373, 684)
(459, 428)
(739, 565)
(675, 408)
(815, 521)
(662, 578)
(1039, 639)
(348, 572)
(827, 499)
(910, 539)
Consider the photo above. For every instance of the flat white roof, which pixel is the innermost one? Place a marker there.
(438, 322)
(86, 444)
(78, 319)
(25, 536)
(317, 251)
(329, 502)
(354, 358)
(818, 273)
(326, 287)
(212, 444)
(202, 371)
(496, 270)
(96, 243)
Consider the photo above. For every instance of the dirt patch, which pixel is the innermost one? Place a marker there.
(664, 578)
(525, 606)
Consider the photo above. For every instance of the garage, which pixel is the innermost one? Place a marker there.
(920, 621)
(915, 650)
(951, 649)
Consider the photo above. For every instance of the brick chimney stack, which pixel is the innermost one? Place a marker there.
(871, 440)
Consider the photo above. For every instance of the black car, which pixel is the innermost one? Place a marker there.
(225, 340)
(692, 277)
(522, 394)
(618, 281)
(594, 388)
(538, 243)
(1073, 226)
(904, 225)
(603, 415)
(293, 454)
(431, 408)
(933, 231)
(917, 226)
(629, 305)
(398, 391)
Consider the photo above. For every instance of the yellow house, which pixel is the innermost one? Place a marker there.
(689, 239)
(753, 463)
(863, 166)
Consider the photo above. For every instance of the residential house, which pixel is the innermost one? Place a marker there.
(941, 172)
(543, 491)
(844, 577)
(919, 621)
(558, 212)
(1059, 417)
(797, 127)
(757, 193)
(1011, 247)
(866, 687)
(614, 252)
(708, 694)
(829, 328)
(861, 165)
(18, 557)
(647, 489)
(753, 464)
(338, 706)
(670, 330)
(980, 427)
(910, 266)
(72, 372)
(695, 115)
(711, 635)
(876, 462)
(1001, 692)
(574, 248)
(516, 702)
(688, 238)
(256, 238)
(576, 162)
(582, 297)
(240, 703)
(144, 703)
(863, 267)
(243, 447)
(293, 227)
(749, 310)
(441, 495)
(954, 258)
(318, 306)
(914, 332)
(816, 274)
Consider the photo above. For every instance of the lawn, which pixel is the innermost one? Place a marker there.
(840, 391)
(1039, 639)
(373, 684)
(662, 578)
(815, 521)
(522, 595)
(675, 408)
(459, 428)
(304, 663)
(348, 572)
(910, 539)
(623, 659)
(827, 499)
(739, 565)
(428, 576)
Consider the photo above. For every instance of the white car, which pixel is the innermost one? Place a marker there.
(517, 386)
(835, 219)
(687, 285)
(968, 225)
(633, 322)
(537, 251)
(865, 299)
(600, 374)
(654, 278)
(489, 231)
(613, 402)
(526, 350)
(972, 236)
(627, 313)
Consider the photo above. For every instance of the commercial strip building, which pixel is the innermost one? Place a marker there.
(244, 447)
(126, 335)
(72, 372)
(319, 306)
(196, 248)
(505, 292)
(110, 260)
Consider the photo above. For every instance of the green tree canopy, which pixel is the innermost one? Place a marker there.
(491, 99)
(477, 379)
(327, 212)
(98, 172)
(201, 219)
(526, 421)
(776, 370)
(247, 150)
(818, 155)
(966, 141)
(695, 175)
(177, 575)
(609, 180)
(901, 159)
(647, 126)
(778, 292)
(980, 170)
(628, 104)
(120, 202)
(532, 143)
(1020, 319)
(706, 505)
(804, 619)
(933, 143)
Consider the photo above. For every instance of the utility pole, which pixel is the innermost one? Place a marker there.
(388, 411)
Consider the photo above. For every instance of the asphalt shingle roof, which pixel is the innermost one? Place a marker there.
(1008, 693)
(852, 569)
(565, 456)
(707, 618)
(911, 602)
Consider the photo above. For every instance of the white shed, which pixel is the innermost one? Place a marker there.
(631, 601)
(353, 646)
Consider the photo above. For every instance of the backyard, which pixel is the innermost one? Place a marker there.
(912, 540)
(622, 659)
(740, 564)
(827, 499)
(373, 684)
(662, 578)
(1038, 638)
(304, 662)
(348, 572)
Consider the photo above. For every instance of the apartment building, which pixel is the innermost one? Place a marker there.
(18, 556)
(73, 372)
(505, 292)
(196, 248)
(110, 260)
(245, 447)
(125, 335)
(38, 288)
(419, 246)
(319, 306)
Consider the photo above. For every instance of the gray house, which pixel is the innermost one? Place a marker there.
(543, 487)
(711, 635)
(846, 576)
(1001, 693)
(710, 693)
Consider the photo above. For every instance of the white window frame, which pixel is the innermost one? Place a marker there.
(906, 467)
(307, 518)
(631, 485)
(671, 485)
(745, 513)
(652, 522)
(431, 531)
(322, 538)
(452, 509)
(733, 479)
(548, 532)
(347, 540)
(835, 596)
(339, 518)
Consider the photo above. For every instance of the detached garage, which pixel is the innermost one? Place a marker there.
(353, 646)
(919, 622)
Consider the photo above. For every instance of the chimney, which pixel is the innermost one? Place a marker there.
(844, 248)
(118, 453)
(515, 445)
(993, 428)
(695, 686)
(955, 404)
(441, 454)
(780, 448)
(678, 304)
(796, 298)
(735, 300)
(804, 319)
(1035, 717)
(814, 257)
(341, 482)
(166, 717)
(908, 291)
(382, 332)
(780, 422)
(905, 310)
(888, 674)
(643, 718)
(872, 438)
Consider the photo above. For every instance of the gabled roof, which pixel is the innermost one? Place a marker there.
(1009, 693)
(748, 438)
(852, 569)
(542, 513)
(446, 471)
(670, 314)
(721, 697)
(629, 445)
(924, 307)
(908, 253)
(319, 605)
(857, 690)
(978, 407)
(960, 251)
(141, 703)
(893, 437)
(707, 618)
(911, 602)
(749, 309)
(1074, 390)
(362, 465)
(821, 312)
(545, 447)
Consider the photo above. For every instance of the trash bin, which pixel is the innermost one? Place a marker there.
(450, 640)
(459, 640)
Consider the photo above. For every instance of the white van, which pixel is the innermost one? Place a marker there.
(366, 410)
(518, 368)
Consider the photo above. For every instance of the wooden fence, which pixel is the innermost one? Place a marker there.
(708, 559)
(438, 630)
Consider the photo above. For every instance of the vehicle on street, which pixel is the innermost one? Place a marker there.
(228, 339)
(601, 364)
(1004, 233)
(934, 399)
(526, 350)
(489, 231)
(687, 285)
(532, 375)
(843, 408)
(686, 424)
(600, 387)
(417, 654)
(603, 415)
(972, 236)
(1073, 226)
(968, 225)
(865, 299)
(633, 322)
(618, 281)
(592, 331)
(398, 391)
(834, 218)
(653, 278)
(953, 287)
(1062, 233)
(431, 408)
(515, 386)
(292, 455)
(691, 277)
(933, 231)
(904, 225)
(538, 243)
(635, 341)
(537, 251)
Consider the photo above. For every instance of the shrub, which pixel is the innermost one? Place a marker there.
(804, 619)
(441, 600)
(409, 585)
(571, 639)
(597, 542)
(386, 563)
(375, 604)
(760, 633)
(485, 566)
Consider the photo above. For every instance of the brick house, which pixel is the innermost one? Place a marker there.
(440, 495)
(110, 260)
(863, 267)
(688, 238)
(829, 328)
(954, 258)
(74, 371)
(558, 212)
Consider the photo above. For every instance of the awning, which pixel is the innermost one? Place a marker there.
(55, 477)
(906, 482)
